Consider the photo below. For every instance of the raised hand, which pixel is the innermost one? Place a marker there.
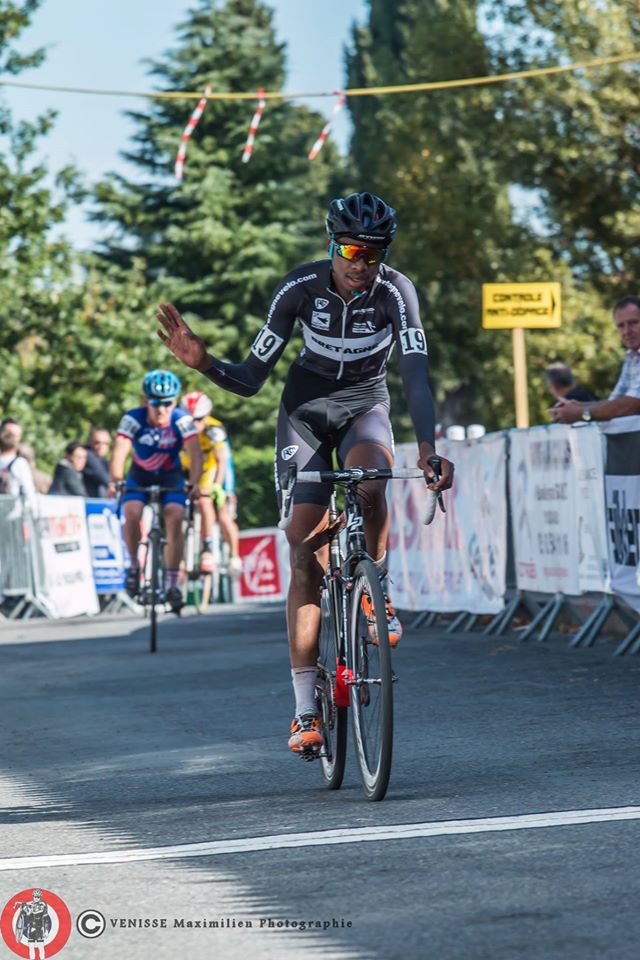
(180, 338)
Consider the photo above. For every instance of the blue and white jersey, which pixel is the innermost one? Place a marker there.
(157, 449)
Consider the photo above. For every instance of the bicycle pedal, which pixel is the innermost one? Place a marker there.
(394, 678)
(309, 755)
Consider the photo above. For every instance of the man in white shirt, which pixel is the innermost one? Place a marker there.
(16, 478)
(624, 399)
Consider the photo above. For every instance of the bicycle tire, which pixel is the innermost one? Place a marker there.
(334, 718)
(154, 591)
(372, 687)
(225, 592)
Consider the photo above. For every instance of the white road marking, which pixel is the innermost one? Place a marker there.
(395, 831)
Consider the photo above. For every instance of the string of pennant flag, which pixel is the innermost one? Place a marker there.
(263, 96)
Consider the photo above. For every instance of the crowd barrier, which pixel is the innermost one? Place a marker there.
(59, 556)
(546, 519)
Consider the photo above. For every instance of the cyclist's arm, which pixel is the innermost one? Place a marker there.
(192, 447)
(222, 458)
(121, 449)
(413, 363)
(414, 370)
(247, 377)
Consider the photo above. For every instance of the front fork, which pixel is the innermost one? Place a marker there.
(352, 519)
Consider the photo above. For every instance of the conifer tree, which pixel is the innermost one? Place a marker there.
(218, 242)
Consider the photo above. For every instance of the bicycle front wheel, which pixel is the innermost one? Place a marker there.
(334, 718)
(371, 683)
(155, 547)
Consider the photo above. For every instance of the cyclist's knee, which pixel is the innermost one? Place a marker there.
(306, 568)
(173, 516)
(372, 498)
(133, 511)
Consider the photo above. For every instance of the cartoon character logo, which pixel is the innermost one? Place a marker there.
(35, 924)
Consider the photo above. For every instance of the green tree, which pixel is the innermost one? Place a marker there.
(217, 243)
(575, 139)
(70, 346)
(427, 154)
(35, 266)
(450, 161)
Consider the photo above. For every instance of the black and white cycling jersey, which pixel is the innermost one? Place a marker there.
(346, 341)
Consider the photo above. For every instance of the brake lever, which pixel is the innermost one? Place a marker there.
(435, 463)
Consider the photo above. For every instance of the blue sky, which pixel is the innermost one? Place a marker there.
(101, 43)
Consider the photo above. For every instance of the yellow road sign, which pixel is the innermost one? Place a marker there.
(509, 305)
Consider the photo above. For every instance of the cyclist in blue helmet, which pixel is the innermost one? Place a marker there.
(352, 310)
(154, 434)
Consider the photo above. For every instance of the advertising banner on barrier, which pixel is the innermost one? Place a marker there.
(587, 458)
(543, 492)
(67, 585)
(622, 491)
(265, 565)
(459, 561)
(107, 548)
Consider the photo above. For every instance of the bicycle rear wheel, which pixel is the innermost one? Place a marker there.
(372, 687)
(334, 718)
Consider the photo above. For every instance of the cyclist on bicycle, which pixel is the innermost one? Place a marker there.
(214, 500)
(352, 309)
(156, 433)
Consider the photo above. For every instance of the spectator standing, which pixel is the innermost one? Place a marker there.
(16, 478)
(41, 479)
(67, 478)
(96, 472)
(624, 399)
(562, 384)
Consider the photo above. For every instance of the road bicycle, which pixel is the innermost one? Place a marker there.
(199, 588)
(151, 595)
(354, 662)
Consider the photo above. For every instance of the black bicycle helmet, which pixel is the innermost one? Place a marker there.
(362, 216)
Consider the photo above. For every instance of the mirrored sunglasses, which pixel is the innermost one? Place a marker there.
(155, 402)
(352, 251)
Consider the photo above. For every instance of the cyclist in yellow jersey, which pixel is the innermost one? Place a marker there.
(213, 437)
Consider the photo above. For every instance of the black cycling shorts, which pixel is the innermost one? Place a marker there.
(318, 416)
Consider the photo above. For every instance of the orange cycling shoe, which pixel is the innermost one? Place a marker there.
(306, 734)
(394, 627)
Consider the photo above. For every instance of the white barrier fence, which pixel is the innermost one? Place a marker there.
(459, 562)
(563, 503)
(571, 533)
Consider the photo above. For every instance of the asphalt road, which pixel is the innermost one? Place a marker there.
(109, 750)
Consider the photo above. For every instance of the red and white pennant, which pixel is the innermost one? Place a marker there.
(255, 123)
(188, 130)
(318, 145)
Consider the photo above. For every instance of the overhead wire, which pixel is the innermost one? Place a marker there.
(353, 92)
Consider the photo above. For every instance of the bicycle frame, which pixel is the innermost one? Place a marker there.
(341, 568)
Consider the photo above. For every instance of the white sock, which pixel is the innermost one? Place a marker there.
(381, 567)
(304, 686)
